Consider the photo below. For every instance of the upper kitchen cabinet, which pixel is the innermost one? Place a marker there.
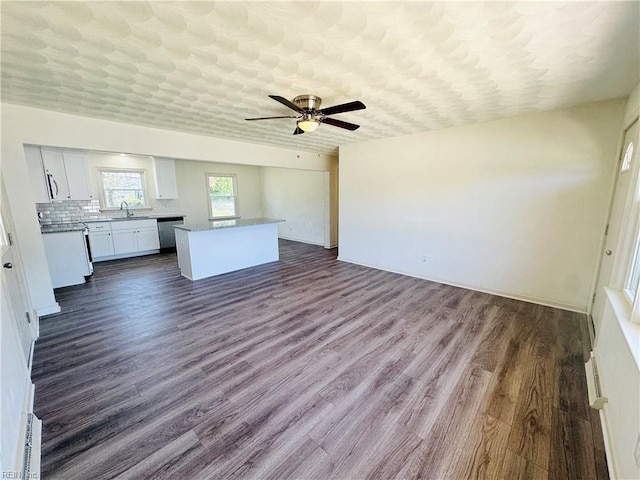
(57, 175)
(75, 164)
(36, 174)
(165, 175)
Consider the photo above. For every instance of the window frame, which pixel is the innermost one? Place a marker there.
(234, 181)
(631, 253)
(628, 245)
(145, 190)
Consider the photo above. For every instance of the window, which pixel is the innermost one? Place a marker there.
(626, 160)
(626, 270)
(633, 279)
(223, 199)
(4, 238)
(123, 186)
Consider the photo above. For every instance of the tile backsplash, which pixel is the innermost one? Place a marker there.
(71, 211)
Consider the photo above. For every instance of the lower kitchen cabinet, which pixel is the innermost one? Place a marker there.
(125, 238)
(101, 244)
(67, 258)
(148, 238)
(124, 241)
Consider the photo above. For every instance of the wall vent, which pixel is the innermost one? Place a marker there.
(596, 396)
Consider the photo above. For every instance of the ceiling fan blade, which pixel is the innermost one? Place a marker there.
(340, 123)
(286, 103)
(298, 131)
(269, 118)
(345, 107)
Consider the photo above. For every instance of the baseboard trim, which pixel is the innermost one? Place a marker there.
(513, 296)
(121, 256)
(50, 310)
(602, 414)
(301, 240)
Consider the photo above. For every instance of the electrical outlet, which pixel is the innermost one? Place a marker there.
(636, 453)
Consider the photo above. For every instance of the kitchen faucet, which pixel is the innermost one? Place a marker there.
(129, 214)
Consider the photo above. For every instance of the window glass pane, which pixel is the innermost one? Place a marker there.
(223, 206)
(634, 277)
(4, 241)
(123, 186)
(221, 186)
(626, 160)
(222, 196)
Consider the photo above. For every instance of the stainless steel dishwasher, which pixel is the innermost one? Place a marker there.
(166, 233)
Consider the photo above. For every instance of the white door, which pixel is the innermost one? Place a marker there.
(14, 377)
(11, 288)
(627, 175)
(16, 339)
(14, 281)
(148, 239)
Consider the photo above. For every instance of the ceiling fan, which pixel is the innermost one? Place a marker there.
(310, 115)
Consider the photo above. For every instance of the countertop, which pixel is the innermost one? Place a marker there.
(195, 226)
(63, 227)
(79, 226)
(135, 217)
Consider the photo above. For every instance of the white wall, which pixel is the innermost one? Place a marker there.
(514, 207)
(192, 188)
(632, 108)
(24, 125)
(617, 341)
(192, 198)
(296, 196)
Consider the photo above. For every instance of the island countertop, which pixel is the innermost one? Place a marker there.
(198, 226)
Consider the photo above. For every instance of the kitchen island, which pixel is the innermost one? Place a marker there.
(214, 247)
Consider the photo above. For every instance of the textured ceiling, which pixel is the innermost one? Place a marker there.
(203, 67)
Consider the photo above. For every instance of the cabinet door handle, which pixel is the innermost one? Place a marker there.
(8, 265)
(51, 182)
(56, 185)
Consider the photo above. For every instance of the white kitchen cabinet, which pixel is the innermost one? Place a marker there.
(65, 175)
(77, 177)
(125, 241)
(148, 238)
(67, 258)
(36, 174)
(165, 175)
(122, 239)
(55, 174)
(100, 239)
(101, 244)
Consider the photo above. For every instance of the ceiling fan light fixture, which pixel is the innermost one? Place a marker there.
(308, 124)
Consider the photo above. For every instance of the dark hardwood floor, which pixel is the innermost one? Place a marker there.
(309, 368)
